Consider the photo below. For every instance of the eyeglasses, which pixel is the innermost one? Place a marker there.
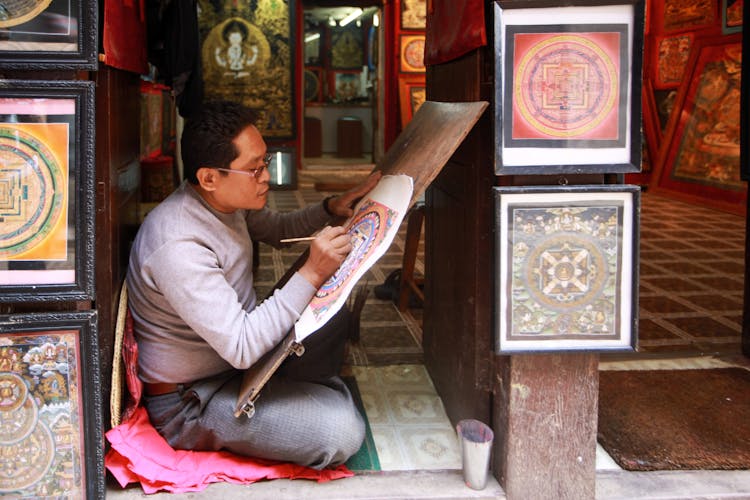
(255, 172)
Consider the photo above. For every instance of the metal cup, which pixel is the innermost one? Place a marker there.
(475, 439)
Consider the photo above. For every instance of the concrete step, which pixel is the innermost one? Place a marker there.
(417, 485)
(448, 484)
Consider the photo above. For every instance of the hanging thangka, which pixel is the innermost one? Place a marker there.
(246, 54)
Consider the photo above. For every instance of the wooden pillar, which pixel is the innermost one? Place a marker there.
(545, 418)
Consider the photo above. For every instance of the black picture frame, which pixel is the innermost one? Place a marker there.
(566, 262)
(542, 130)
(47, 239)
(285, 177)
(745, 101)
(56, 356)
(64, 35)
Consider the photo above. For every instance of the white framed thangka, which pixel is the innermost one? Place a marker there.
(247, 55)
(47, 191)
(568, 87)
(566, 267)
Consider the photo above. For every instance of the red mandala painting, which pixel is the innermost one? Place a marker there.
(367, 229)
(566, 86)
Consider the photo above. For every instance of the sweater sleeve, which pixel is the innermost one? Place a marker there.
(196, 288)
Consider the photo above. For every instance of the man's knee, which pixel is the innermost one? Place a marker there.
(342, 438)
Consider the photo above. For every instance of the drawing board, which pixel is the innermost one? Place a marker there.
(373, 225)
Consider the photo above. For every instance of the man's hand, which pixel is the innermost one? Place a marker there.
(327, 251)
(342, 205)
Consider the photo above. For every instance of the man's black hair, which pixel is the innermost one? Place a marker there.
(208, 134)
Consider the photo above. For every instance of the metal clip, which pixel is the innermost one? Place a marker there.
(298, 349)
(248, 409)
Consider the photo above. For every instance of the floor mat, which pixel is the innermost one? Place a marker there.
(677, 419)
(366, 458)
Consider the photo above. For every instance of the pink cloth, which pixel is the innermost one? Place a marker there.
(138, 454)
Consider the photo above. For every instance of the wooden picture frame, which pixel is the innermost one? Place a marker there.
(549, 120)
(412, 94)
(47, 174)
(50, 34)
(567, 268)
(731, 16)
(50, 377)
(673, 16)
(411, 53)
(413, 14)
(700, 159)
(283, 168)
(652, 134)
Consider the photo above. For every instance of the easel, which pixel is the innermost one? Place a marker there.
(408, 283)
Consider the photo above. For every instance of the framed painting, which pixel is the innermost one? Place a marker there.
(413, 14)
(347, 50)
(412, 53)
(345, 86)
(567, 268)
(412, 94)
(672, 54)
(568, 89)
(313, 84)
(700, 158)
(283, 168)
(672, 16)
(731, 16)
(47, 186)
(48, 34)
(247, 54)
(51, 406)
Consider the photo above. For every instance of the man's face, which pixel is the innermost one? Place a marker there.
(241, 189)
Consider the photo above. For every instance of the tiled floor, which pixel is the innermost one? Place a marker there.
(691, 278)
(409, 425)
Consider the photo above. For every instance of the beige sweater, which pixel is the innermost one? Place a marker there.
(190, 287)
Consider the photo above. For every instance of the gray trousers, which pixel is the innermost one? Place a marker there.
(305, 414)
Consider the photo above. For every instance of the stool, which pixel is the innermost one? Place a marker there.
(349, 137)
(409, 284)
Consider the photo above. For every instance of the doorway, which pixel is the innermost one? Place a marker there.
(341, 93)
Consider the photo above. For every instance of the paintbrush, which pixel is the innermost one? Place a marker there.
(297, 240)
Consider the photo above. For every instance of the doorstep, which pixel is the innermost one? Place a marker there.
(416, 485)
(448, 484)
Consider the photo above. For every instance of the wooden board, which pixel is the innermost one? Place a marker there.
(429, 140)
(420, 151)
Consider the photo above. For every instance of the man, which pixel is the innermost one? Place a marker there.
(198, 322)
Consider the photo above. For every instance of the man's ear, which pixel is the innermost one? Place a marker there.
(207, 178)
